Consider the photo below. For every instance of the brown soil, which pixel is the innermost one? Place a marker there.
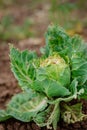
(13, 124)
(9, 87)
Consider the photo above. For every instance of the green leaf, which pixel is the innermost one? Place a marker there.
(4, 115)
(54, 117)
(73, 86)
(51, 88)
(73, 95)
(42, 117)
(83, 95)
(78, 46)
(25, 106)
(57, 39)
(49, 117)
(79, 69)
(22, 67)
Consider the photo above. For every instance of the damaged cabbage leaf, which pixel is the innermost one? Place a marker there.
(73, 113)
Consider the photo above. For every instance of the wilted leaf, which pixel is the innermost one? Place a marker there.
(73, 113)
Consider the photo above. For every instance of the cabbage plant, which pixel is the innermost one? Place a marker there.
(50, 82)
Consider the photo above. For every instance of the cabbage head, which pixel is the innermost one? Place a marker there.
(53, 76)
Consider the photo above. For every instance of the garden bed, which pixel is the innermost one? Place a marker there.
(8, 87)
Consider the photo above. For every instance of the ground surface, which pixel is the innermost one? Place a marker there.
(8, 84)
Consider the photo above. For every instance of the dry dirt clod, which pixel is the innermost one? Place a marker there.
(35, 127)
(9, 127)
(22, 127)
(1, 127)
(28, 127)
(77, 125)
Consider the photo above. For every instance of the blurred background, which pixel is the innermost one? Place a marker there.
(22, 19)
(24, 23)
